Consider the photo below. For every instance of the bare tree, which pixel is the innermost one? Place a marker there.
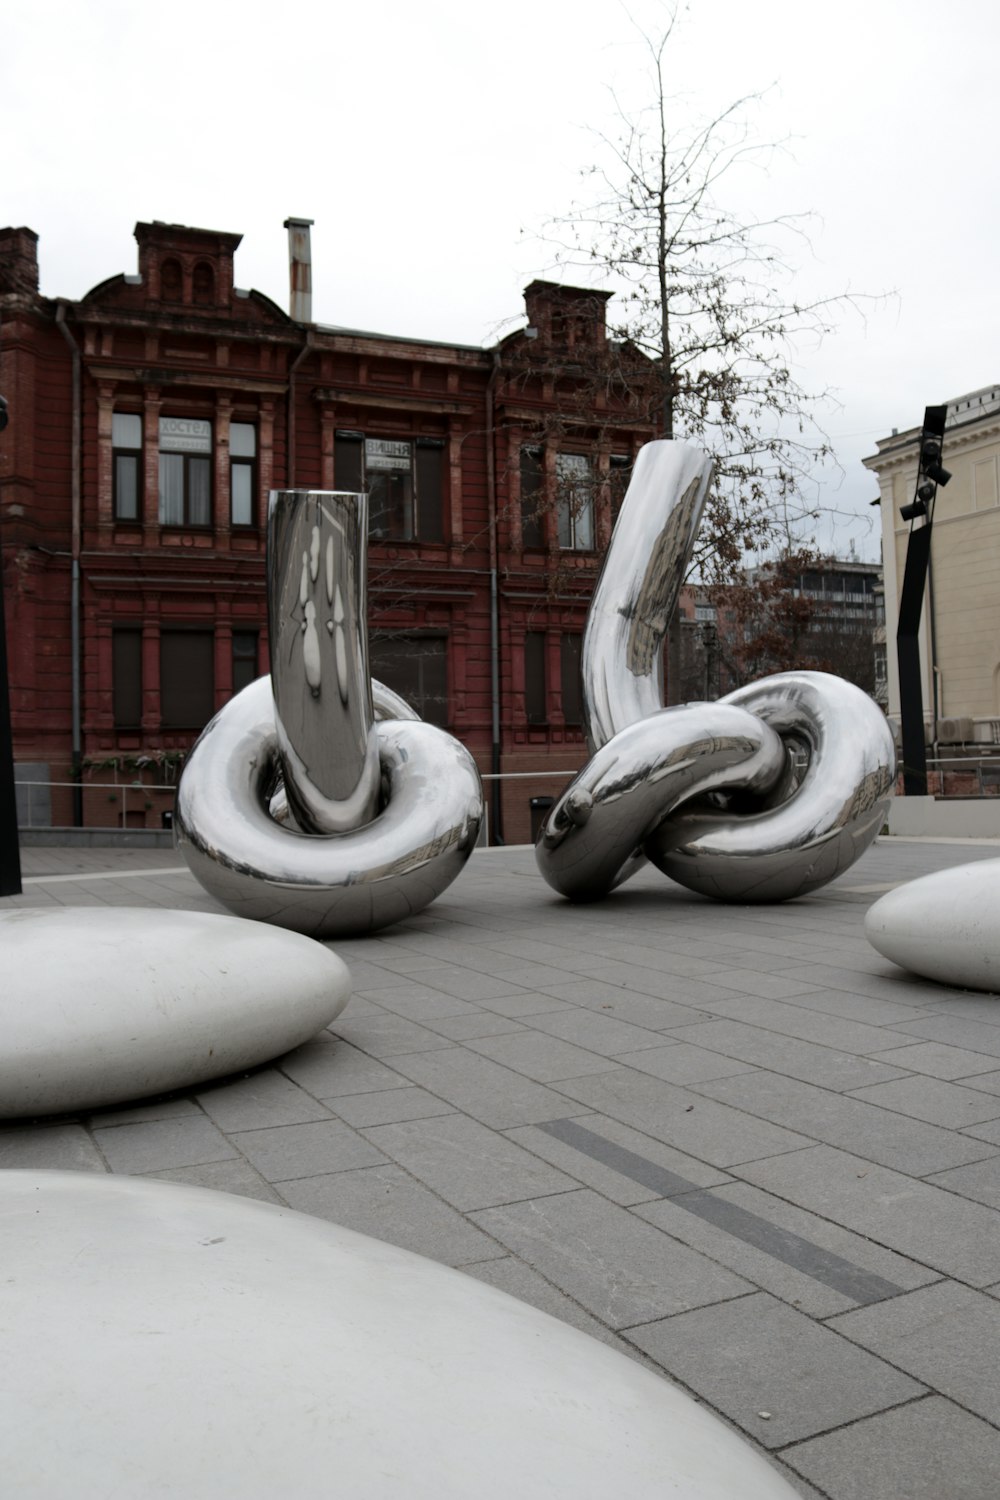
(701, 301)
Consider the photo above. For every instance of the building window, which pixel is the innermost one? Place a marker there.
(244, 659)
(171, 281)
(572, 690)
(404, 479)
(187, 678)
(619, 474)
(185, 471)
(535, 697)
(242, 473)
(415, 667)
(532, 498)
(126, 464)
(575, 499)
(203, 284)
(706, 613)
(126, 677)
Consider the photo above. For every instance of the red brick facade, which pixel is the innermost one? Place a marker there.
(150, 419)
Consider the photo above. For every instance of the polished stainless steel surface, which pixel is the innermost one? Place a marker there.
(637, 591)
(316, 599)
(767, 794)
(317, 799)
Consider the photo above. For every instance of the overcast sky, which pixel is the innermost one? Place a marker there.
(431, 141)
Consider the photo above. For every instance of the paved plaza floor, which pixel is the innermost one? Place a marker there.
(732, 1142)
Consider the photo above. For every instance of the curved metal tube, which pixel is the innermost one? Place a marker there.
(319, 800)
(820, 827)
(325, 886)
(709, 792)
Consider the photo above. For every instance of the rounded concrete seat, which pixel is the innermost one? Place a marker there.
(103, 1005)
(173, 1341)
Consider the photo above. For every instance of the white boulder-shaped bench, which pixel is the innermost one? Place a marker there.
(173, 1341)
(104, 1005)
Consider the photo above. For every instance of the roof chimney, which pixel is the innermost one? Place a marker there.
(299, 270)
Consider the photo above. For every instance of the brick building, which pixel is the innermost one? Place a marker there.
(150, 419)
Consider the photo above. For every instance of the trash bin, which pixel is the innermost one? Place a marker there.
(539, 809)
(167, 819)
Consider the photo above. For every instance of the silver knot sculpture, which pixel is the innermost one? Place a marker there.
(764, 795)
(317, 799)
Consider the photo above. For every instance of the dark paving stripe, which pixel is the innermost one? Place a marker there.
(801, 1254)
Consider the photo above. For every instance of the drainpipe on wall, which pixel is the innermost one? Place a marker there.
(496, 806)
(74, 605)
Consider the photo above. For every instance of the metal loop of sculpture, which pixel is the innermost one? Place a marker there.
(319, 800)
(764, 795)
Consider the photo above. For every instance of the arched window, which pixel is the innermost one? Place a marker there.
(171, 281)
(203, 284)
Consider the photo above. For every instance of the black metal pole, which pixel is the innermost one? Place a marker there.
(918, 555)
(10, 852)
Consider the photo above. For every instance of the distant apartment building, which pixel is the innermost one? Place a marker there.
(960, 623)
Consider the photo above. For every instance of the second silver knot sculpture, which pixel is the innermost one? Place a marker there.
(297, 807)
(764, 795)
(317, 799)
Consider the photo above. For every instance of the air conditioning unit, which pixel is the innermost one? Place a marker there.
(954, 731)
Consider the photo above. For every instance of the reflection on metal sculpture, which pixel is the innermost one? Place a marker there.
(764, 795)
(318, 800)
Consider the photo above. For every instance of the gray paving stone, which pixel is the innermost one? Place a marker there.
(955, 1031)
(417, 1002)
(987, 1083)
(597, 1032)
(508, 1274)
(939, 1061)
(883, 1136)
(236, 1176)
(980, 1181)
(933, 1100)
(155, 1145)
(326, 1068)
(809, 1061)
(853, 993)
(920, 1221)
(467, 1028)
(157, 1109)
(49, 1147)
(385, 1202)
(756, 1354)
(789, 1019)
(383, 1033)
(468, 984)
(773, 986)
(265, 1098)
(488, 1092)
(925, 1450)
(804, 1260)
(387, 1106)
(289, 1151)
(945, 1335)
(619, 1269)
(530, 1003)
(989, 1132)
(539, 1056)
(638, 1010)
(597, 1168)
(469, 1165)
(682, 1062)
(712, 1132)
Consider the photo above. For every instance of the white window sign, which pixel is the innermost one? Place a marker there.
(185, 435)
(385, 453)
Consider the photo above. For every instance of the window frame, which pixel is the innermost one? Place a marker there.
(244, 636)
(569, 512)
(189, 457)
(135, 455)
(420, 506)
(243, 462)
(182, 723)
